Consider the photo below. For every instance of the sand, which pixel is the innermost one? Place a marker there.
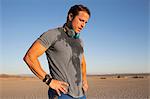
(99, 88)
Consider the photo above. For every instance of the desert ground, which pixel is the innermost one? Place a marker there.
(100, 87)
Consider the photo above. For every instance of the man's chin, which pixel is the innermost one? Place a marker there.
(77, 31)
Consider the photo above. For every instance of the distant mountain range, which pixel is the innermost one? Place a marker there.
(16, 76)
(103, 75)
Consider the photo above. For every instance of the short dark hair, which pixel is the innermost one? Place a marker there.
(75, 10)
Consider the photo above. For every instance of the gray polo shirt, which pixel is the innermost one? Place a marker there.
(64, 55)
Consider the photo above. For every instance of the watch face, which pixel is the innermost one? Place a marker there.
(47, 76)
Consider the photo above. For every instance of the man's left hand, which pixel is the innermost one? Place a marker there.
(85, 85)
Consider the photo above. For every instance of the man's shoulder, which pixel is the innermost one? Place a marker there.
(53, 31)
(50, 34)
(81, 41)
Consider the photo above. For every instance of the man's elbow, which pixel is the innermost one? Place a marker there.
(30, 58)
(26, 58)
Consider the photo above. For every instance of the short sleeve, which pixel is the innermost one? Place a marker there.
(48, 38)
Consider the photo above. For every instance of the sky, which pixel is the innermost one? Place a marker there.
(116, 37)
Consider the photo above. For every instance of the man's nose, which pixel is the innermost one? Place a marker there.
(83, 25)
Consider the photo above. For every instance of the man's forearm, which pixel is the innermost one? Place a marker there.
(84, 80)
(34, 65)
(83, 68)
(84, 72)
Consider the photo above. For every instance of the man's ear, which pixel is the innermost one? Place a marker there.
(70, 17)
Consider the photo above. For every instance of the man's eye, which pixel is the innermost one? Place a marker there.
(81, 20)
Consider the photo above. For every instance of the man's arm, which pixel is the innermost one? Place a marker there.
(85, 84)
(31, 59)
(83, 68)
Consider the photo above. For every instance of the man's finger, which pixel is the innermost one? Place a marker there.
(65, 84)
(58, 92)
(63, 90)
(84, 89)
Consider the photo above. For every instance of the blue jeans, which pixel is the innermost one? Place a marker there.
(53, 95)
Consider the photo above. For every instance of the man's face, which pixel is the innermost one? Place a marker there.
(79, 21)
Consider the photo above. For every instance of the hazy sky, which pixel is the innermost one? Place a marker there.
(115, 38)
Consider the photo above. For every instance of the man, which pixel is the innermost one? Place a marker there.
(64, 51)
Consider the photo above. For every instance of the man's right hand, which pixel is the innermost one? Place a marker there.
(59, 86)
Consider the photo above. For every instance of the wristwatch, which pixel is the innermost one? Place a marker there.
(47, 79)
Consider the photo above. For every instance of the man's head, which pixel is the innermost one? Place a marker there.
(77, 17)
